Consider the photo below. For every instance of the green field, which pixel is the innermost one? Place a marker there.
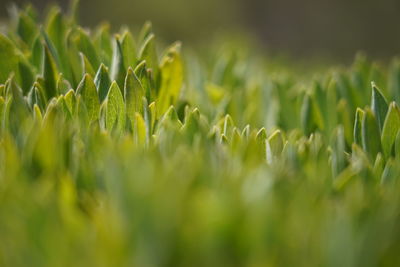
(116, 150)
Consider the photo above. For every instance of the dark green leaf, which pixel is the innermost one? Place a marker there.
(379, 105)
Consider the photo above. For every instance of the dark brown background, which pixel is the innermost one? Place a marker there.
(334, 29)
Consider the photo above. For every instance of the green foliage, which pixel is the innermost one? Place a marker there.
(113, 156)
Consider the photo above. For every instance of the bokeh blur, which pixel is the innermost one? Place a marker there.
(299, 28)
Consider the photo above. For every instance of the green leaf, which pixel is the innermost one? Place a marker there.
(170, 118)
(379, 166)
(25, 75)
(344, 119)
(144, 77)
(379, 105)
(8, 58)
(133, 93)
(49, 73)
(115, 110)
(397, 145)
(26, 28)
(63, 85)
(390, 129)
(56, 29)
(118, 67)
(86, 66)
(390, 173)
(87, 89)
(149, 54)
(36, 57)
(128, 47)
(103, 44)
(37, 97)
(84, 44)
(171, 78)
(51, 48)
(357, 132)
(102, 82)
(371, 141)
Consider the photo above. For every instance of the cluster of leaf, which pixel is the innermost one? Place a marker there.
(113, 156)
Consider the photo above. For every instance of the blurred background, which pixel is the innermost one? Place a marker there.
(302, 29)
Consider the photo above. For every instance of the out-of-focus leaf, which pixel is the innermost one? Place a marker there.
(56, 29)
(390, 173)
(36, 57)
(274, 146)
(8, 58)
(103, 44)
(379, 165)
(307, 120)
(338, 149)
(261, 138)
(37, 114)
(145, 31)
(171, 78)
(343, 110)
(140, 129)
(26, 28)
